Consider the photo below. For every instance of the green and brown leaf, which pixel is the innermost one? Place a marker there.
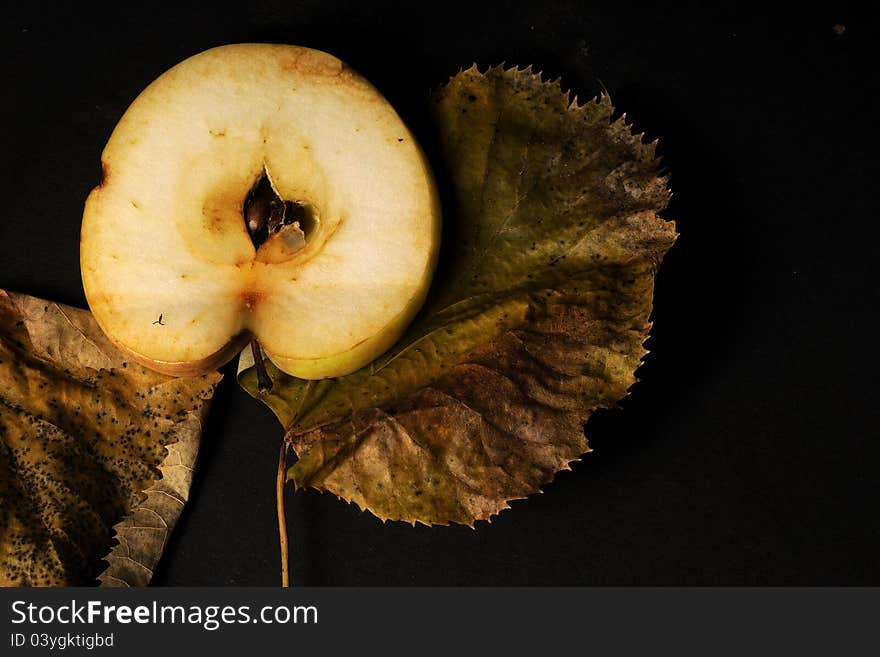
(537, 316)
(85, 439)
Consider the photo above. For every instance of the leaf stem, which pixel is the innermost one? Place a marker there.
(282, 522)
(264, 381)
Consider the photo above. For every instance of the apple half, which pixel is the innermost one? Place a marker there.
(263, 191)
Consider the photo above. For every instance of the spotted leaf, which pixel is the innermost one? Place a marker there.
(85, 436)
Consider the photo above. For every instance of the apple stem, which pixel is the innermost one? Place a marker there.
(282, 522)
(264, 381)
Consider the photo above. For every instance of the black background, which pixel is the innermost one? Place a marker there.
(748, 452)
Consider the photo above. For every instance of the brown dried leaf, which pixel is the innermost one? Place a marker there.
(82, 433)
(143, 533)
(537, 316)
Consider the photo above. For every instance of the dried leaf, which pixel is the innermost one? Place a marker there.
(82, 433)
(537, 316)
(143, 533)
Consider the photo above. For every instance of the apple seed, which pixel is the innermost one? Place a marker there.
(267, 214)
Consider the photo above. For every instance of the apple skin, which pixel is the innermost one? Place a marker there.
(195, 368)
(163, 234)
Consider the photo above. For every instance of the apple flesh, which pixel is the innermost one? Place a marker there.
(170, 266)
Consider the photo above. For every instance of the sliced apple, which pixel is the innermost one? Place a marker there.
(179, 266)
